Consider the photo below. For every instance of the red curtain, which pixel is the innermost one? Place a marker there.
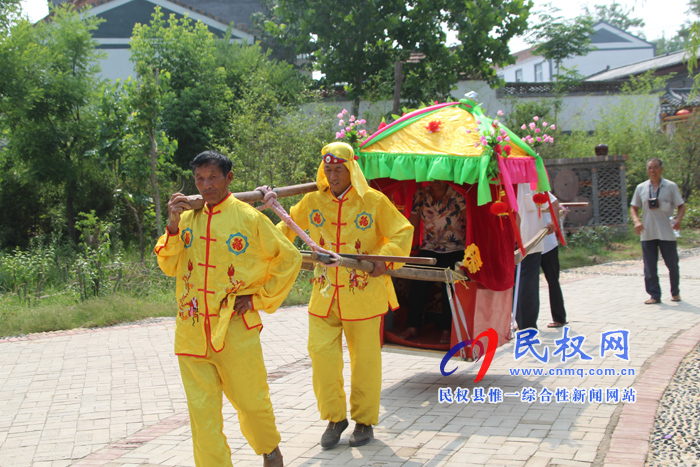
(493, 235)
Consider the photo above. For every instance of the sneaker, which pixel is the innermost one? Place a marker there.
(332, 434)
(362, 435)
(274, 459)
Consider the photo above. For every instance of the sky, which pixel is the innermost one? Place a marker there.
(660, 16)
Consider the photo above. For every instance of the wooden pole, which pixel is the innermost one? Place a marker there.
(420, 274)
(387, 259)
(196, 201)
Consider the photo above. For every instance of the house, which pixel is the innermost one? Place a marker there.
(120, 16)
(612, 48)
(674, 65)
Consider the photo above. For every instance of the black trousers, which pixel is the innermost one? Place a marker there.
(550, 267)
(419, 290)
(529, 292)
(650, 254)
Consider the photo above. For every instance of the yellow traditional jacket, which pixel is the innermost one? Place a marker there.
(218, 253)
(367, 224)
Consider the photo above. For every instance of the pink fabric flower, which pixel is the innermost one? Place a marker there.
(539, 139)
(352, 118)
(340, 115)
(499, 113)
(341, 123)
(524, 127)
(537, 130)
(532, 125)
(544, 123)
(552, 127)
(535, 118)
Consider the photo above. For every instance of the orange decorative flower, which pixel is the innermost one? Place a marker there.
(472, 258)
(434, 126)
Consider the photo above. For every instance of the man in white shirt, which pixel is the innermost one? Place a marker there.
(658, 199)
(530, 223)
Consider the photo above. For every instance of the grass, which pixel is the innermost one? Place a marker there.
(150, 294)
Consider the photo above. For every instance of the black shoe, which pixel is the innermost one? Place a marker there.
(362, 435)
(274, 459)
(332, 434)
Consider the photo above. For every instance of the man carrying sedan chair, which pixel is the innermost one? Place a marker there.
(230, 263)
(345, 215)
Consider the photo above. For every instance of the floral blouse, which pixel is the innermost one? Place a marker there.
(444, 224)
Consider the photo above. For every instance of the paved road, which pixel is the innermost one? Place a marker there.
(113, 397)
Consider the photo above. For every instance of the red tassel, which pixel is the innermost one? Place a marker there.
(516, 232)
(555, 221)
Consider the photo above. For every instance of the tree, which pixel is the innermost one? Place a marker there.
(48, 92)
(693, 45)
(358, 43)
(9, 14)
(557, 38)
(674, 43)
(197, 107)
(684, 156)
(616, 15)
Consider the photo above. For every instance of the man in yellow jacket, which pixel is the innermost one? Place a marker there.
(230, 262)
(345, 215)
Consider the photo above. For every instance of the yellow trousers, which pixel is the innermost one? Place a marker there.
(239, 371)
(326, 351)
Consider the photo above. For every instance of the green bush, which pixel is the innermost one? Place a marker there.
(592, 238)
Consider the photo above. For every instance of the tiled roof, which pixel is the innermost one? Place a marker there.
(223, 11)
(656, 63)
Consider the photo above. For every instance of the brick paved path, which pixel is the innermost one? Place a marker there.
(113, 397)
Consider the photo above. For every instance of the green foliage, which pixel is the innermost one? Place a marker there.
(358, 43)
(693, 44)
(674, 43)
(592, 238)
(194, 106)
(277, 151)
(9, 14)
(682, 162)
(557, 38)
(48, 90)
(692, 211)
(616, 15)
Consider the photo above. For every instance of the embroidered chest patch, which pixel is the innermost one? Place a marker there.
(317, 218)
(237, 243)
(364, 221)
(187, 237)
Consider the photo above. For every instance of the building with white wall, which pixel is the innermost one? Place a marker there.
(611, 48)
(120, 17)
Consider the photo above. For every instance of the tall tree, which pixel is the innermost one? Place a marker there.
(674, 43)
(557, 38)
(48, 92)
(616, 15)
(358, 43)
(196, 109)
